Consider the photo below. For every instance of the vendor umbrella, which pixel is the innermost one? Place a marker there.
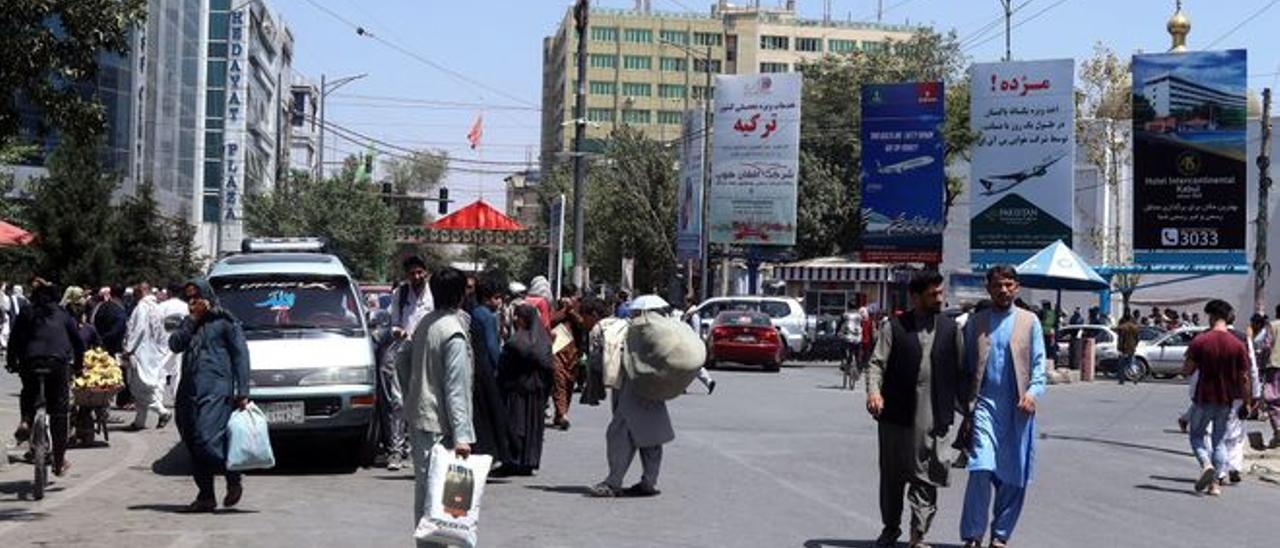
(1058, 267)
(11, 235)
(479, 215)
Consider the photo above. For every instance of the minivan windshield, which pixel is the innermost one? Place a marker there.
(277, 303)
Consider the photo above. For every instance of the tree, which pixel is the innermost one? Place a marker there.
(149, 246)
(832, 122)
(42, 66)
(72, 215)
(350, 216)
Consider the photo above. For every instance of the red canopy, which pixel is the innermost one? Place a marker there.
(11, 235)
(477, 216)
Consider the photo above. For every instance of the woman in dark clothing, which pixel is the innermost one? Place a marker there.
(524, 375)
(44, 343)
(214, 382)
(489, 415)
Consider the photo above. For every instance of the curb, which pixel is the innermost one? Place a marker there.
(1063, 375)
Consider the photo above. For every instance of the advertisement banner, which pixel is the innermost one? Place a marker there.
(755, 159)
(1022, 177)
(689, 199)
(1189, 161)
(902, 172)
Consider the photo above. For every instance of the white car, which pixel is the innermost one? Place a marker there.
(786, 313)
(1104, 341)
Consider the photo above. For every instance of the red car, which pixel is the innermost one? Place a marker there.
(745, 337)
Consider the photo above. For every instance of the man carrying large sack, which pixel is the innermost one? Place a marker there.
(662, 356)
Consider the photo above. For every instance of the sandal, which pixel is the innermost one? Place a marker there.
(61, 469)
(604, 490)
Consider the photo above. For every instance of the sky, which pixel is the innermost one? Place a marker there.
(434, 66)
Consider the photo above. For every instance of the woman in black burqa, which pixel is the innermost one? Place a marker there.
(524, 376)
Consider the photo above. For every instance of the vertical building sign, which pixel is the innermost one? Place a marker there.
(689, 199)
(1022, 177)
(902, 172)
(555, 256)
(233, 145)
(1189, 160)
(755, 159)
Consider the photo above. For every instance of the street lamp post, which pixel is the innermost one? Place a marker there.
(704, 242)
(327, 87)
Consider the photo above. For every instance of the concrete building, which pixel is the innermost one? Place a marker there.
(645, 67)
(522, 198)
(304, 126)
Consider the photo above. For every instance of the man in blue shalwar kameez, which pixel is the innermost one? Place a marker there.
(1004, 359)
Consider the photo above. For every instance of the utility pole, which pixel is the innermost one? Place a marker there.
(325, 89)
(580, 11)
(1261, 268)
(1008, 18)
(706, 175)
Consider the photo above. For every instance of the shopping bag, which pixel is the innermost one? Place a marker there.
(248, 444)
(454, 488)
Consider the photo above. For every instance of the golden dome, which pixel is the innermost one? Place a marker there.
(1179, 27)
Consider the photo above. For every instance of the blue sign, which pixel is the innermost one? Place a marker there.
(903, 182)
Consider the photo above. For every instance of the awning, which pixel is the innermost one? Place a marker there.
(11, 235)
(833, 269)
(477, 216)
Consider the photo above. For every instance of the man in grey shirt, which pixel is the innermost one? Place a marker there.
(914, 387)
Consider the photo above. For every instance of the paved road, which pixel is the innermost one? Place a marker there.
(771, 460)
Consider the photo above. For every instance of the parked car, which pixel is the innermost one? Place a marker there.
(785, 313)
(1164, 356)
(746, 337)
(1104, 343)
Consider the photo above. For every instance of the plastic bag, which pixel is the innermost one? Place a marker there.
(454, 488)
(248, 443)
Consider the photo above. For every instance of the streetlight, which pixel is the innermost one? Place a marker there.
(325, 89)
(704, 244)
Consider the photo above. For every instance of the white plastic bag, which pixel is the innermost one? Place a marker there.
(248, 443)
(454, 488)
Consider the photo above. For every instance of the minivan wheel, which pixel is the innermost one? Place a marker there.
(365, 447)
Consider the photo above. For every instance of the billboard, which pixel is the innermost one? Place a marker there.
(689, 197)
(755, 159)
(1022, 177)
(902, 175)
(1189, 165)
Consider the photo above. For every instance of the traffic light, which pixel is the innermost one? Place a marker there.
(442, 204)
(368, 164)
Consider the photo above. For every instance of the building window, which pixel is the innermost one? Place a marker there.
(637, 62)
(836, 45)
(214, 103)
(700, 65)
(602, 88)
(210, 206)
(635, 116)
(602, 61)
(600, 115)
(874, 47)
(774, 42)
(677, 36)
(669, 117)
(632, 89)
(637, 36)
(217, 73)
(213, 173)
(604, 34)
(672, 64)
(217, 49)
(707, 38)
(212, 145)
(773, 67)
(219, 24)
(703, 92)
(671, 91)
(808, 44)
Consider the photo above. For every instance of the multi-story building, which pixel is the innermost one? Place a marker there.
(645, 67)
(304, 147)
(522, 198)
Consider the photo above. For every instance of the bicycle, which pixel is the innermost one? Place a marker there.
(851, 366)
(41, 441)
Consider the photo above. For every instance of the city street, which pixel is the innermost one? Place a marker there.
(770, 460)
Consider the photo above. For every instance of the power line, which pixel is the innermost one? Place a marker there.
(411, 151)
(1020, 23)
(992, 25)
(876, 14)
(1242, 23)
(420, 101)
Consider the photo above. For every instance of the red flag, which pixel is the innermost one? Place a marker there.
(477, 131)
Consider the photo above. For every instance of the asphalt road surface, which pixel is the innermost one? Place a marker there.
(770, 460)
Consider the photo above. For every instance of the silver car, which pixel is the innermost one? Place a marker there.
(1164, 356)
(787, 314)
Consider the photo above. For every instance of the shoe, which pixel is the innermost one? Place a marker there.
(889, 537)
(604, 490)
(1182, 425)
(200, 507)
(234, 492)
(711, 388)
(61, 469)
(1215, 490)
(23, 433)
(642, 489)
(394, 463)
(973, 543)
(997, 543)
(1275, 441)
(563, 425)
(164, 419)
(1233, 477)
(1206, 479)
(133, 428)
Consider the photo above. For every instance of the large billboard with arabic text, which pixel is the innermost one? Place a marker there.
(755, 163)
(1022, 177)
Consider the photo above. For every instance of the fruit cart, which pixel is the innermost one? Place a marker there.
(92, 393)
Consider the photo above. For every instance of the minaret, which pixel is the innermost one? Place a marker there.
(1179, 27)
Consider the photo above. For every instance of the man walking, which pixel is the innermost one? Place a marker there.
(410, 302)
(912, 392)
(1004, 362)
(145, 341)
(435, 371)
(1221, 363)
(1127, 345)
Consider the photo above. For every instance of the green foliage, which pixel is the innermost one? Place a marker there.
(351, 217)
(832, 122)
(38, 64)
(150, 247)
(72, 215)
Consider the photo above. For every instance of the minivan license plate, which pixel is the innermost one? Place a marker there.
(284, 412)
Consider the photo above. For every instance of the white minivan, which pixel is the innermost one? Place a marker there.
(311, 356)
